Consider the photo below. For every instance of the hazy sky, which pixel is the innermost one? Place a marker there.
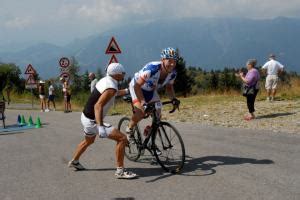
(60, 21)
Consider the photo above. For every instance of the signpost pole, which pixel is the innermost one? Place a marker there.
(113, 48)
(30, 82)
(31, 98)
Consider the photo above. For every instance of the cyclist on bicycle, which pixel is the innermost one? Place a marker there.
(143, 87)
(93, 114)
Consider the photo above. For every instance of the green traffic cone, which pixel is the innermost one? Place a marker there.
(30, 122)
(23, 122)
(19, 120)
(38, 123)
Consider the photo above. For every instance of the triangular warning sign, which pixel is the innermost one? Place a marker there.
(113, 47)
(30, 70)
(30, 80)
(113, 59)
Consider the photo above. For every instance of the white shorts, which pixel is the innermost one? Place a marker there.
(271, 82)
(150, 96)
(42, 96)
(90, 127)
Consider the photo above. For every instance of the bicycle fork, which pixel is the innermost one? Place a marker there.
(165, 146)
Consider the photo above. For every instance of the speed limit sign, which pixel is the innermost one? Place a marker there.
(64, 62)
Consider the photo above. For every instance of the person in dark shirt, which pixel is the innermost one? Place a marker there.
(42, 96)
(101, 99)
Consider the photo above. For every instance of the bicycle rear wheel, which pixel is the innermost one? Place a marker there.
(132, 151)
(170, 151)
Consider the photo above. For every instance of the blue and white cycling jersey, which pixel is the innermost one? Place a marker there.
(150, 73)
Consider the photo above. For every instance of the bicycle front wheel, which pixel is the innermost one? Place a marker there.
(132, 151)
(170, 151)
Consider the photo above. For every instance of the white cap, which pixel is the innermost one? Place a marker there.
(115, 68)
(42, 81)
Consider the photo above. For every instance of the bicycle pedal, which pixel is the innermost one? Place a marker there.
(153, 162)
(142, 152)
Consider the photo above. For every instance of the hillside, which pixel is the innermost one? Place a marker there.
(208, 43)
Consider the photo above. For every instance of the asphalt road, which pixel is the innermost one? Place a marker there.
(222, 163)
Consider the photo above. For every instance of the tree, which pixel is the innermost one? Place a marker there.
(214, 80)
(99, 74)
(75, 79)
(86, 81)
(183, 83)
(10, 78)
(224, 80)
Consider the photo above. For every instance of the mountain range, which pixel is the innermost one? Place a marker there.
(209, 43)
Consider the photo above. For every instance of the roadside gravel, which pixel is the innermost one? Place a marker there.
(277, 116)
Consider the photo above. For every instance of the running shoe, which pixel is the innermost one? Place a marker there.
(123, 174)
(76, 164)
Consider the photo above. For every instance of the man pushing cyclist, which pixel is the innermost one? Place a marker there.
(92, 119)
(143, 89)
(145, 83)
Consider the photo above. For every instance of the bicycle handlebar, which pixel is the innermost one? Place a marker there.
(175, 106)
(151, 106)
(127, 98)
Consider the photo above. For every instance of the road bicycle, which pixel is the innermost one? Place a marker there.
(163, 141)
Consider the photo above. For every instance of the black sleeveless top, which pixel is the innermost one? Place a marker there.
(105, 83)
(42, 92)
(88, 110)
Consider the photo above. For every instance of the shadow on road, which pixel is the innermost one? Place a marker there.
(15, 128)
(274, 115)
(10, 133)
(141, 172)
(99, 170)
(205, 166)
(156, 172)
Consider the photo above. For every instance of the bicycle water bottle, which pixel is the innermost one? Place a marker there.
(147, 130)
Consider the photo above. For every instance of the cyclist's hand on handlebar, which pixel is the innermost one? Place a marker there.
(176, 102)
(141, 106)
(146, 108)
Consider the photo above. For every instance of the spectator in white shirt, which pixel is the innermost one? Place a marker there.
(273, 68)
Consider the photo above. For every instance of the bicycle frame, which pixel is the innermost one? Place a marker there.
(162, 135)
(155, 130)
(152, 135)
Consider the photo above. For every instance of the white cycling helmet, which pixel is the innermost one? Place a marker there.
(115, 68)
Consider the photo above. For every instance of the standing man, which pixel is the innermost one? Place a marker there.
(273, 69)
(93, 80)
(101, 99)
(51, 95)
